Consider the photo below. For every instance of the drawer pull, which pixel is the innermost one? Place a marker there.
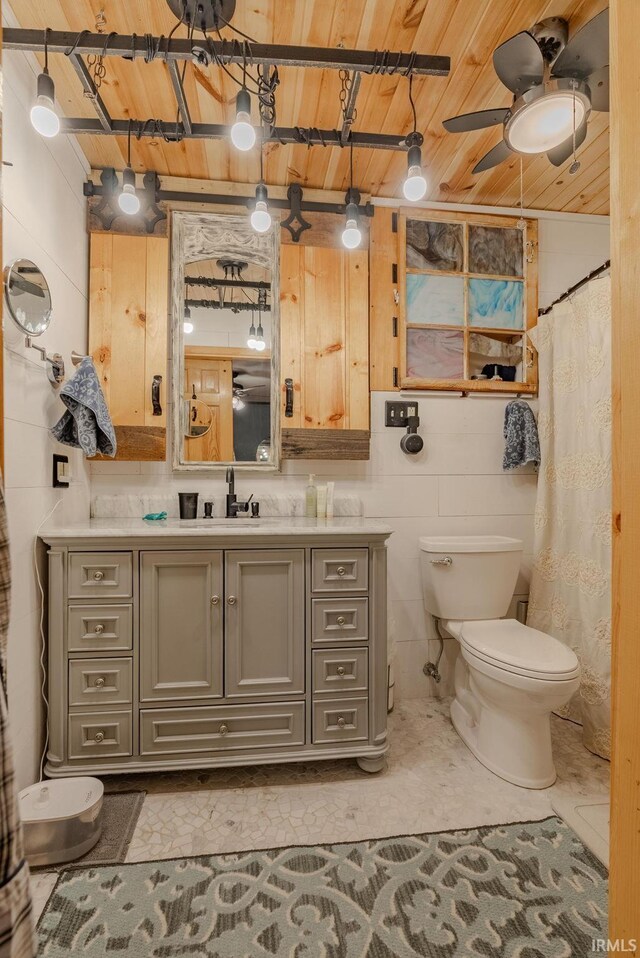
(341, 570)
(98, 575)
(341, 620)
(215, 600)
(232, 600)
(99, 682)
(341, 670)
(99, 629)
(341, 722)
(99, 737)
(224, 729)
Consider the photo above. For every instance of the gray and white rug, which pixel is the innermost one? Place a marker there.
(530, 890)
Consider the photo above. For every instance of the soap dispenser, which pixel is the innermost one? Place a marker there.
(311, 499)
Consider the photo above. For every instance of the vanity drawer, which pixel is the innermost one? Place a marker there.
(100, 573)
(99, 734)
(340, 720)
(221, 727)
(339, 620)
(99, 628)
(340, 570)
(340, 670)
(100, 682)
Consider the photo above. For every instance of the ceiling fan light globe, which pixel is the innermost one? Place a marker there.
(545, 116)
(414, 187)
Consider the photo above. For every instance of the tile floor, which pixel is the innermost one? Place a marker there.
(432, 782)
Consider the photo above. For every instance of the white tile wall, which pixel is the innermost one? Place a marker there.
(43, 220)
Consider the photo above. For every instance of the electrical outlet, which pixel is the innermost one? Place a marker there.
(398, 413)
(61, 471)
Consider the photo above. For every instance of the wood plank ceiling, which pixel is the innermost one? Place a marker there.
(466, 30)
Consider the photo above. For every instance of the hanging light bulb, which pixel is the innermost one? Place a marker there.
(187, 325)
(243, 135)
(44, 118)
(251, 341)
(351, 235)
(415, 185)
(261, 217)
(260, 343)
(128, 201)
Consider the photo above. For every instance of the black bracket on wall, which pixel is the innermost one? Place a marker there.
(295, 216)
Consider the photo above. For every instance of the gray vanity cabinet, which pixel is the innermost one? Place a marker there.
(181, 626)
(265, 600)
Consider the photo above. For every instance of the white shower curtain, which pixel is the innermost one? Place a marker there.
(570, 588)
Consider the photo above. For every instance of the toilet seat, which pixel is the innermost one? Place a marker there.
(510, 646)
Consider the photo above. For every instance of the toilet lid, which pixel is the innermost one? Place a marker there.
(511, 645)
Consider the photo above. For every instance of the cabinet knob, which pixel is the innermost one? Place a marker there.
(215, 600)
(232, 600)
(99, 737)
(98, 575)
(341, 670)
(99, 682)
(341, 570)
(341, 722)
(341, 620)
(99, 629)
(224, 729)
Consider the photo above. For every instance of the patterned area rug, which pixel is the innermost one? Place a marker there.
(529, 890)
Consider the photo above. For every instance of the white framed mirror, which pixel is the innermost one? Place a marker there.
(225, 336)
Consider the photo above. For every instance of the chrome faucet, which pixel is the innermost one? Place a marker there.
(233, 506)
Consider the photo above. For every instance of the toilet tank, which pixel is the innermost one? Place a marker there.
(469, 577)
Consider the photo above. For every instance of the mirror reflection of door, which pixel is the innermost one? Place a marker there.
(209, 381)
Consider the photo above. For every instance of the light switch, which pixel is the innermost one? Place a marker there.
(61, 471)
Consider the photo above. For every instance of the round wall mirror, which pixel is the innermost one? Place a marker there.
(28, 297)
(198, 418)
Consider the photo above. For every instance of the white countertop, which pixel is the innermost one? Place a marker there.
(201, 528)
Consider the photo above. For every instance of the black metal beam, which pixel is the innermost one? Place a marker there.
(137, 47)
(235, 307)
(91, 92)
(219, 131)
(227, 283)
(180, 95)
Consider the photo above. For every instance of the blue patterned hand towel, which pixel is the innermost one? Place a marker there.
(522, 444)
(87, 423)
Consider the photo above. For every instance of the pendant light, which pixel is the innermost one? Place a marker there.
(243, 135)
(187, 325)
(415, 185)
(260, 343)
(351, 235)
(251, 341)
(44, 118)
(128, 201)
(261, 217)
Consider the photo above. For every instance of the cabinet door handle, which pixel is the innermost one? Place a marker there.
(215, 600)
(288, 405)
(232, 600)
(99, 737)
(98, 575)
(341, 570)
(341, 620)
(341, 670)
(224, 729)
(155, 395)
(99, 682)
(99, 629)
(341, 722)
(444, 560)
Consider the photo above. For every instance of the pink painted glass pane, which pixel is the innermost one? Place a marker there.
(435, 354)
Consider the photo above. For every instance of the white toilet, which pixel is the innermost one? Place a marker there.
(509, 678)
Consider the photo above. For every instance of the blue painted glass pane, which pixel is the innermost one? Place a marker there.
(435, 300)
(496, 304)
(435, 354)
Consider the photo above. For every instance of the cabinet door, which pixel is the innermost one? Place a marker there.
(180, 625)
(264, 636)
(324, 316)
(128, 307)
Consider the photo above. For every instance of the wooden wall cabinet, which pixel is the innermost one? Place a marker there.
(324, 317)
(128, 308)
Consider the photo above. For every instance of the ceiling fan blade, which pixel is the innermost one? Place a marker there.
(559, 154)
(519, 63)
(599, 86)
(499, 153)
(587, 51)
(475, 121)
